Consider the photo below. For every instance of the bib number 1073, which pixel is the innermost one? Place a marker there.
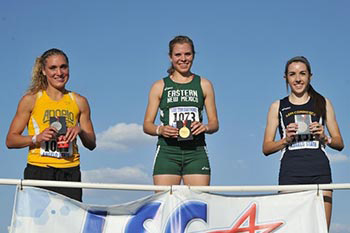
(182, 114)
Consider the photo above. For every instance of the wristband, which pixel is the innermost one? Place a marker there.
(157, 130)
(329, 140)
(34, 139)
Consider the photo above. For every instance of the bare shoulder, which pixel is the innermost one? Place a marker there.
(81, 101)
(27, 101)
(157, 88)
(158, 85)
(328, 102)
(274, 108)
(205, 82)
(329, 109)
(275, 105)
(329, 106)
(207, 87)
(79, 97)
(29, 98)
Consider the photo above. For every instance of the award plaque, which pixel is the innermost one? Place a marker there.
(59, 123)
(303, 122)
(185, 133)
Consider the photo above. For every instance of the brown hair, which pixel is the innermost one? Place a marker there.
(320, 101)
(39, 81)
(179, 40)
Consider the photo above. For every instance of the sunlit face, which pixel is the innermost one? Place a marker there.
(56, 71)
(182, 58)
(298, 77)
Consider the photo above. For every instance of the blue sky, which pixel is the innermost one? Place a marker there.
(117, 49)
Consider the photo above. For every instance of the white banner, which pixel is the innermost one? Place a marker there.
(182, 211)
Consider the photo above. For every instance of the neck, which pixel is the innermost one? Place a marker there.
(299, 99)
(55, 94)
(182, 78)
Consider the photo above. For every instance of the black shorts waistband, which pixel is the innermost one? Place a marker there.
(76, 168)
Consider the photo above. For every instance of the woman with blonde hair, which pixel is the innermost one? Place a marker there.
(54, 117)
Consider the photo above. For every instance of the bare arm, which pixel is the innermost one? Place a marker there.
(271, 146)
(333, 129)
(210, 108)
(149, 127)
(14, 138)
(85, 130)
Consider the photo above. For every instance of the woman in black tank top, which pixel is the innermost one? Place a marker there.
(300, 118)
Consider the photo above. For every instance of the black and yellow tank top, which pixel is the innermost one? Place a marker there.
(46, 154)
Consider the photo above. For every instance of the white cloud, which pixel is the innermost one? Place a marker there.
(123, 136)
(339, 228)
(125, 175)
(338, 158)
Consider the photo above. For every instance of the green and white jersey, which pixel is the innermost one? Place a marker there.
(180, 102)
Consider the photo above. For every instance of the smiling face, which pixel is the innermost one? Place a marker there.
(56, 70)
(298, 77)
(182, 58)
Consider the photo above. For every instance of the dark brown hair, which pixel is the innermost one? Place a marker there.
(320, 101)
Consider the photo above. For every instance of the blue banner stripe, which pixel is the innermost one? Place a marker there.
(95, 222)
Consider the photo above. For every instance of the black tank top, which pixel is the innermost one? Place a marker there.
(305, 156)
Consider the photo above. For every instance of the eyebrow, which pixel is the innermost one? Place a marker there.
(62, 65)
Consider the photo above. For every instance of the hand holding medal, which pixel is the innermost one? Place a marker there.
(185, 132)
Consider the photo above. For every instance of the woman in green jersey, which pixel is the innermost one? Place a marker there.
(181, 97)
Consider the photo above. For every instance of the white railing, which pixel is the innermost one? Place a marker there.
(136, 187)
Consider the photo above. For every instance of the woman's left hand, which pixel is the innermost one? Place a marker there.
(72, 133)
(198, 127)
(317, 130)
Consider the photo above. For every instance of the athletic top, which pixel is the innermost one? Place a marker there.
(305, 156)
(180, 102)
(46, 154)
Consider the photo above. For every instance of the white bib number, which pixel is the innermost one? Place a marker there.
(304, 145)
(49, 149)
(183, 114)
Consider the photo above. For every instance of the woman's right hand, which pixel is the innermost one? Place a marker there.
(291, 131)
(168, 131)
(47, 134)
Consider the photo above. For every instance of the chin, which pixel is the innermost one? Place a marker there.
(183, 71)
(299, 92)
(60, 86)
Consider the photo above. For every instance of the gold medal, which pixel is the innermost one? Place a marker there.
(184, 132)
